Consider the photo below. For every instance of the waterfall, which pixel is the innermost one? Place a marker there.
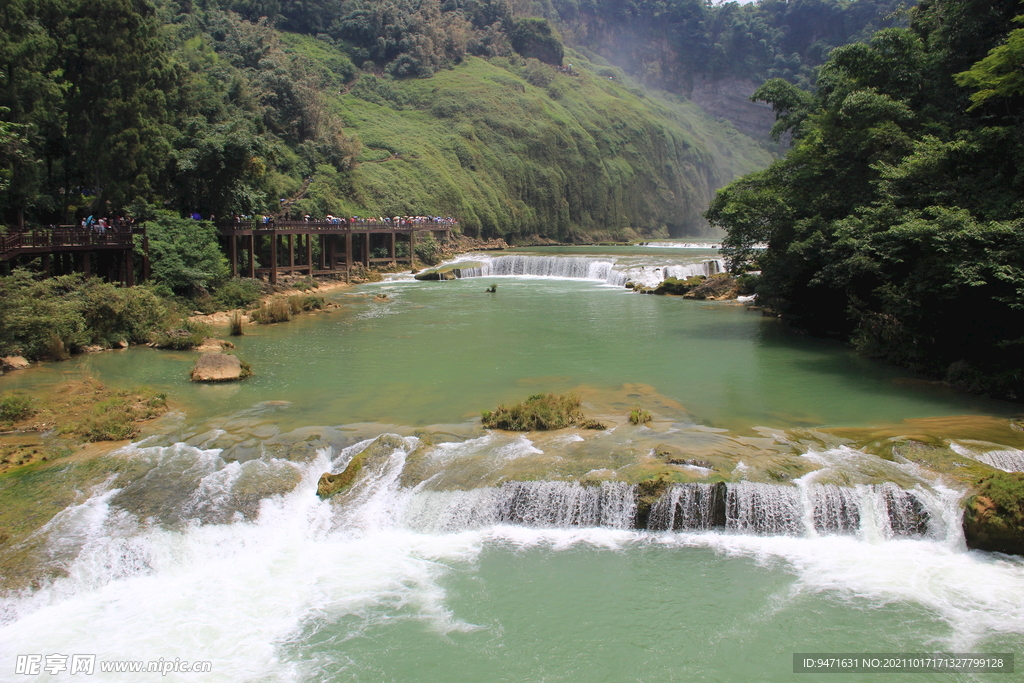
(1008, 460)
(533, 503)
(583, 268)
(688, 506)
(881, 510)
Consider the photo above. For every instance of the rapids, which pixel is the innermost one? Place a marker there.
(789, 511)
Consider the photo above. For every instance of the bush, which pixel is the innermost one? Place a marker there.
(639, 416)
(16, 407)
(428, 250)
(538, 412)
(238, 293)
(301, 303)
(54, 317)
(276, 310)
(236, 324)
(188, 336)
(747, 284)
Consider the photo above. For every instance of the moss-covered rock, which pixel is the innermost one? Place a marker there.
(672, 285)
(538, 412)
(647, 494)
(994, 515)
(715, 288)
(450, 271)
(374, 454)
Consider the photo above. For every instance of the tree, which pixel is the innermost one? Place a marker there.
(185, 254)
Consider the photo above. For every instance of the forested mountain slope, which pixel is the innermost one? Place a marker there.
(897, 219)
(362, 107)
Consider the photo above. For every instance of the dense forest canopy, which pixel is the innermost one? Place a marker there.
(227, 107)
(897, 219)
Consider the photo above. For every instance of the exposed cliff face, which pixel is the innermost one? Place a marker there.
(729, 98)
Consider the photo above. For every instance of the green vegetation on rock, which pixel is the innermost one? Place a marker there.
(536, 413)
(994, 515)
(372, 456)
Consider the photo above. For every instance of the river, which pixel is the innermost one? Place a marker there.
(205, 541)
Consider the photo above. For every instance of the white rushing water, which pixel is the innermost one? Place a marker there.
(607, 270)
(194, 578)
(1008, 459)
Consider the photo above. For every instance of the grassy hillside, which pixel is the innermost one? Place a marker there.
(523, 149)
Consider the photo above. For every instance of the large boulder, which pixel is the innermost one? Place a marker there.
(219, 367)
(715, 288)
(450, 271)
(370, 457)
(994, 515)
(13, 363)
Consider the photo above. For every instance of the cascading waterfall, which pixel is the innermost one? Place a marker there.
(882, 510)
(1008, 460)
(537, 504)
(582, 268)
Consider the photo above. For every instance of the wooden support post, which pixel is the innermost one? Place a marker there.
(233, 251)
(332, 252)
(129, 266)
(291, 254)
(348, 257)
(323, 253)
(86, 263)
(145, 256)
(412, 250)
(391, 248)
(273, 257)
(252, 256)
(366, 249)
(46, 265)
(309, 253)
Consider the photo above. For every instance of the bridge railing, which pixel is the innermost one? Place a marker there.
(339, 224)
(67, 237)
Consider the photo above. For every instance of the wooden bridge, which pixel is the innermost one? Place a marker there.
(67, 249)
(340, 244)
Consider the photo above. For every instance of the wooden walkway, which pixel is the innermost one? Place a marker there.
(339, 245)
(66, 249)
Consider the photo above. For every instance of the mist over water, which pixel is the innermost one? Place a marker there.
(207, 540)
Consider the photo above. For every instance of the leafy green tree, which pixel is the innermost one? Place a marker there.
(896, 221)
(535, 38)
(185, 254)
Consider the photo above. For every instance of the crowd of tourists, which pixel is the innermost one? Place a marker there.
(103, 224)
(389, 221)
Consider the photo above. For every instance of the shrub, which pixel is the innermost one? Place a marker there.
(238, 293)
(428, 250)
(639, 416)
(274, 311)
(300, 303)
(236, 324)
(188, 336)
(538, 412)
(16, 407)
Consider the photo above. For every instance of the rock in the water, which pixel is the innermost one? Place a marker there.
(994, 515)
(672, 285)
(374, 454)
(13, 363)
(450, 271)
(715, 288)
(211, 345)
(218, 367)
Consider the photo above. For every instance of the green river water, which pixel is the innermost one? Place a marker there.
(206, 541)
